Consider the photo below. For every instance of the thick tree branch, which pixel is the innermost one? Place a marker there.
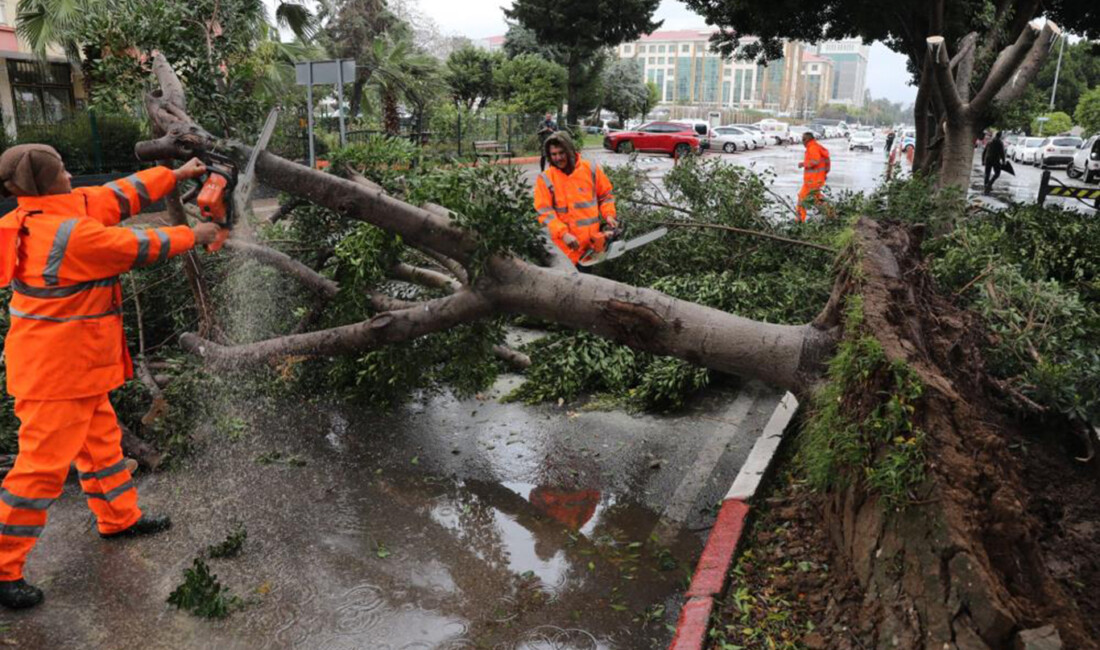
(945, 81)
(1007, 64)
(963, 64)
(276, 259)
(385, 328)
(426, 277)
(1031, 65)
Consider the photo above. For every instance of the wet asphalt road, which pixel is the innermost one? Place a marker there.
(855, 171)
(448, 524)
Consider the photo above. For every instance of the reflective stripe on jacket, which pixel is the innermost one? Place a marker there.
(576, 204)
(816, 165)
(66, 339)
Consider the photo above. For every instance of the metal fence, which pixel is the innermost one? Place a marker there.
(89, 143)
(450, 137)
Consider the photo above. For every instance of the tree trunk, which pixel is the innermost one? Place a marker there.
(572, 91)
(962, 567)
(391, 117)
(356, 98)
(958, 154)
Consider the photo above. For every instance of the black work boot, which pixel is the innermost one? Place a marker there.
(147, 525)
(17, 594)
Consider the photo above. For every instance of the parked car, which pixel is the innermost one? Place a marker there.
(862, 140)
(759, 138)
(1027, 151)
(1011, 140)
(775, 130)
(1086, 161)
(673, 138)
(1057, 150)
(796, 132)
(731, 139)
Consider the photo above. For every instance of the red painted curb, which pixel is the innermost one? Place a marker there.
(691, 629)
(710, 576)
(714, 563)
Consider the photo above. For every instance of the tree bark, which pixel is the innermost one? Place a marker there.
(784, 355)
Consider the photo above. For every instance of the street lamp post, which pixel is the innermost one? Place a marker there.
(1057, 69)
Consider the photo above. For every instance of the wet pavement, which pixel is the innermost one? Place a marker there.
(858, 171)
(447, 524)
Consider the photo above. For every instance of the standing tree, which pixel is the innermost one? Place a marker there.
(1057, 122)
(581, 28)
(529, 84)
(967, 58)
(1088, 111)
(624, 92)
(652, 98)
(469, 73)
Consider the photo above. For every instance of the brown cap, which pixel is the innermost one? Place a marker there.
(30, 169)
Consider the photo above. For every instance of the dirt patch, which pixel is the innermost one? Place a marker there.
(787, 589)
(1064, 496)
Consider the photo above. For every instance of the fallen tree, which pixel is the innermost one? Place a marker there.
(945, 560)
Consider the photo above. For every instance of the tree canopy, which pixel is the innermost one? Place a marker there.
(469, 73)
(581, 28)
(530, 84)
(624, 91)
(1088, 111)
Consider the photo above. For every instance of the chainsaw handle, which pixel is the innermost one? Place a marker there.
(216, 245)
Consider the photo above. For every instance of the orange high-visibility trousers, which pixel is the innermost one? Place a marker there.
(809, 189)
(53, 434)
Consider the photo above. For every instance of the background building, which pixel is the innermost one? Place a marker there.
(817, 83)
(688, 73)
(849, 59)
(33, 91)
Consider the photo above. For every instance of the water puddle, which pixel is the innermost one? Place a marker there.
(504, 527)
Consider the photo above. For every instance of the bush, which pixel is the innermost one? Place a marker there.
(74, 139)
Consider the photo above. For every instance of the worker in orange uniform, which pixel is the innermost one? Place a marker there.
(815, 168)
(573, 199)
(62, 252)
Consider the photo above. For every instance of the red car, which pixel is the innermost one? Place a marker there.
(665, 137)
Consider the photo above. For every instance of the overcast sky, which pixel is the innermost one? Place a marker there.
(886, 74)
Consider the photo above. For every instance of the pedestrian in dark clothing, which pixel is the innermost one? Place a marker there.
(889, 142)
(994, 159)
(546, 129)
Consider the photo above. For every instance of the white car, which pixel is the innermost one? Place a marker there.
(1011, 141)
(1027, 151)
(756, 133)
(731, 139)
(862, 140)
(1058, 150)
(1086, 162)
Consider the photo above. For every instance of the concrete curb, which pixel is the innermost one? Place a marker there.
(711, 572)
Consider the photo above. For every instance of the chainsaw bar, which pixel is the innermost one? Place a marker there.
(618, 248)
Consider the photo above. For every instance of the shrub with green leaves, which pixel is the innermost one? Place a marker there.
(202, 594)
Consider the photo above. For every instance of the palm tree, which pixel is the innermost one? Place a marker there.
(398, 71)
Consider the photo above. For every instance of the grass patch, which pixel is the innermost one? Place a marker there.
(860, 425)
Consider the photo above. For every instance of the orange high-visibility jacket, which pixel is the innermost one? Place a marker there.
(66, 339)
(575, 204)
(816, 165)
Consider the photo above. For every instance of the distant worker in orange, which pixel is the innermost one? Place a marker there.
(573, 199)
(61, 252)
(815, 168)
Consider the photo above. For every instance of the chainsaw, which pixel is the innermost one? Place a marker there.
(224, 194)
(614, 247)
